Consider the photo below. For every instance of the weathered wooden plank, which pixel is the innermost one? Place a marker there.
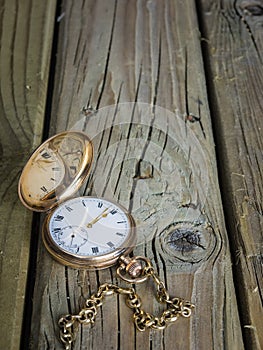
(161, 165)
(233, 40)
(26, 38)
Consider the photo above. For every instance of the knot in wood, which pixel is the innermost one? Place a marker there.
(185, 239)
(252, 8)
(190, 242)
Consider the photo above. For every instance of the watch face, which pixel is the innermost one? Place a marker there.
(55, 170)
(89, 232)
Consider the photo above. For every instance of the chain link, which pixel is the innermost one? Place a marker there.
(175, 307)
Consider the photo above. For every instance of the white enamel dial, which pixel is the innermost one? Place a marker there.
(88, 228)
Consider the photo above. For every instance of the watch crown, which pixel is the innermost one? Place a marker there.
(132, 267)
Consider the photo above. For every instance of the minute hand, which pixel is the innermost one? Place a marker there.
(101, 215)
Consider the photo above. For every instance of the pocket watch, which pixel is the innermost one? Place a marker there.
(89, 232)
(81, 232)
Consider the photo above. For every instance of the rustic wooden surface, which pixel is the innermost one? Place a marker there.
(26, 39)
(233, 39)
(195, 60)
(112, 52)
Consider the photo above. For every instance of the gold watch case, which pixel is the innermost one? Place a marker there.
(55, 170)
(53, 174)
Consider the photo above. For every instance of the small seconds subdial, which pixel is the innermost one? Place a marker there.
(71, 238)
(89, 228)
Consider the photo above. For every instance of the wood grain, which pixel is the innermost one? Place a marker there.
(233, 37)
(26, 37)
(157, 161)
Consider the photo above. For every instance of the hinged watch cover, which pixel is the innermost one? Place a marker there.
(56, 170)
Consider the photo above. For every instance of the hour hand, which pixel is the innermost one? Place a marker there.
(101, 215)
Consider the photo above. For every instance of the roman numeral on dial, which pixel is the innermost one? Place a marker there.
(59, 218)
(69, 209)
(110, 244)
(45, 155)
(120, 234)
(43, 188)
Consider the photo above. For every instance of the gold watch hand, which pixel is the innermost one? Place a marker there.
(42, 162)
(101, 215)
(41, 166)
(45, 160)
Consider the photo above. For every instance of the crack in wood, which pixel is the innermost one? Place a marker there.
(185, 240)
(158, 73)
(67, 290)
(105, 75)
(137, 167)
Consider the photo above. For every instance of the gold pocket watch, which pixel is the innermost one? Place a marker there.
(81, 232)
(89, 232)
